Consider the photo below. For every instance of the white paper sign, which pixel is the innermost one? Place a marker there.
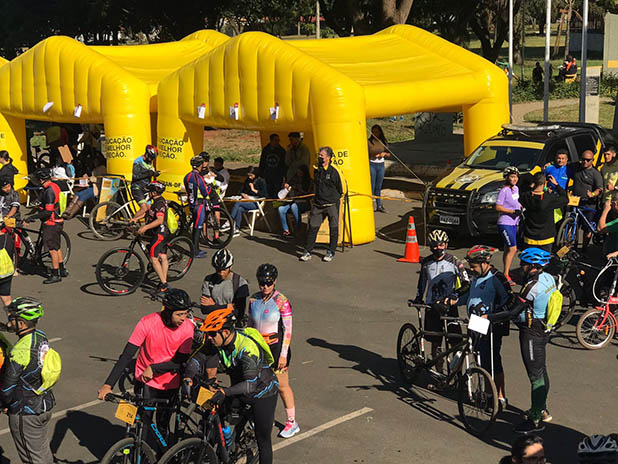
(283, 193)
(201, 111)
(83, 182)
(234, 111)
(78, 111)
(274, 112)
(47, 106)
(478, 324)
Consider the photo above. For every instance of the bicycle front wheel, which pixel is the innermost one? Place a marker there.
(108, 220)
(567, 234)
(219, 232)
(120, 271)
(65, 247)
(123, 452)
(189, 451)
(409, 354)
(246, 447)
(592, 331)
(179, 257)
(477, 400)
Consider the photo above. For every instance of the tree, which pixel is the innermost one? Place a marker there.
(364, 16)
(490, 24)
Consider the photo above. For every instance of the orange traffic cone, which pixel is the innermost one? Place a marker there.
(412, 254)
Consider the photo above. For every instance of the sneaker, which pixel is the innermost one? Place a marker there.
(529, 426)
(287, 234)
(200, 254)
(380, 210)
(236, 233)
(305, 257)
(162, 288)
(64, 272)
(54, 278)
(545, 415)
(328, 257)
(503, 403)
(290, 429)
(225, 227)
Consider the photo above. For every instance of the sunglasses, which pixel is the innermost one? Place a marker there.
(211, 334)
(265, 283)
(587, 160)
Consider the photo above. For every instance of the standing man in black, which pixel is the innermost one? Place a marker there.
(588, 185)
(272, 165)
(328, 191)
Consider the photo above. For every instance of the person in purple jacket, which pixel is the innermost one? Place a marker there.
(509, 208)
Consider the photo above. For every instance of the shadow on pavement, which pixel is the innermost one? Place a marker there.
(560, 442)
(86, 288)
(290, 247)
(396, 231)
(89, 431)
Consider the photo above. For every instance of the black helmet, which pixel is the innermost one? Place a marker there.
(266, 273)
(197, 161)
(43, 174)
(222, 259)
(205, 156)
(151, 151)
(176, 299)
(4, 180)
(156, 187)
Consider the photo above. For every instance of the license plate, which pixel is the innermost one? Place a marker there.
(453, 220)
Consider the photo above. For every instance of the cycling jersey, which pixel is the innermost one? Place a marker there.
(234, 290)
(487, 292)
(441, 278)
(196, 188)
(272, 318)
(143, 172)
(50, 204)
(8, 202)
(537, 291)
(158, 209)
(21, 376)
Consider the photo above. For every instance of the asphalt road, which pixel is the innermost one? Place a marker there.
(349, 395)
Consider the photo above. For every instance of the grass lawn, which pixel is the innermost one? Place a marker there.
(233, 145)
(571, 113)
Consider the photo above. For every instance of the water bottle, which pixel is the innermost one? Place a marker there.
(227, 435)
(454, 361)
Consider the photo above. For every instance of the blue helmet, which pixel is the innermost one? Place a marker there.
(535, 256)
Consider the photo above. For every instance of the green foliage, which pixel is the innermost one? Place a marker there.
(525, 91)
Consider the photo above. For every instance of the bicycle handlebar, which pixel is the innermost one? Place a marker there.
(413, 304)
(134, 399)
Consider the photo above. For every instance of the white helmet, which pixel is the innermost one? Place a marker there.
(597, 449)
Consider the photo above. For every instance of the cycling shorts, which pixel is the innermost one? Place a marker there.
(158, 245)
(199, 215)
(5, 286)
(51, 236)
(275, 349)
(483, 346)
(139, 195)
(509, 235)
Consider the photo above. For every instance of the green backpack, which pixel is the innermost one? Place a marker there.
(172, 221)
(50, 371)
(554, 308)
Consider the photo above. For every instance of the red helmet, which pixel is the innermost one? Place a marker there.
(156, 186)
(151, 151)
(480, 254)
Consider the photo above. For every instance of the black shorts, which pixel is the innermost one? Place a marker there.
(51, 236)
(5, 286)
(275, 349)
(138, 195)
(158, 245)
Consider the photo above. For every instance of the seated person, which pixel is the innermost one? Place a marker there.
(254, 187)
(82, 196)
(221, 186)
(299, 185)
(568, 70)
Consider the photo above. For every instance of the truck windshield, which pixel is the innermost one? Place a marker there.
(499, 157)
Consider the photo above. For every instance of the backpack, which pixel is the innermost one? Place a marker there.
(50, 370)
(172, 221)
(554, 308)
(7, 267)
(257, 338)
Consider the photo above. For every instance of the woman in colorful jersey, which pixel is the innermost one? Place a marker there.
(270, 313)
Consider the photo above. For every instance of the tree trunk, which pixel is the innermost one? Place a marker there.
(393, 14)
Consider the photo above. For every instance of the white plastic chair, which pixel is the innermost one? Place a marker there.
(250, 216)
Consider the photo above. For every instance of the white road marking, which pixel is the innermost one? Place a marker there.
(321, 428)
(52, 340)
(307, 362)
(64, 412)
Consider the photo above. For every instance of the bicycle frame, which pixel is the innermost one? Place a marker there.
(576, 213)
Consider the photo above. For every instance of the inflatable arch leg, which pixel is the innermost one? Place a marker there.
(178, 142)
(481, 121)
(13, 140)
(126, 137)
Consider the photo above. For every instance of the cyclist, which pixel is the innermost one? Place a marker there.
(442, 277)
(530, 313)
(156, 226)
(143, 173)
(197, 191)
(489, 290)
(597, 449)
(163, 340)
(29, 412)
(526, 449)
(270, 313)
(52, 224)
(247, 359)
(509, 208)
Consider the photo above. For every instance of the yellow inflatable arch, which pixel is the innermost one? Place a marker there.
(327, 88)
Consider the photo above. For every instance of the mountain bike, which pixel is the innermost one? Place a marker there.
(120, 271)
(35, 253)
(210, 446)
(568, 234)
(597, 326)
(221, 225)
(109, 219)
(477, 395)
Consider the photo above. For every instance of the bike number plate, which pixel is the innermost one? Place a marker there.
(126, 412)
(454, 220)
(203, 395)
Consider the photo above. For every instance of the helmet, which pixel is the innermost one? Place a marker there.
(480, 254)
(597, 448)
(197, 161)
(205, 156)
(4, 180)
(266, 273)
(222, 259)
(510, 170)
(43, 174)
(535, 256)
(156, 187)
(27, 308)
(219, 319)
(437, 236)
(176, 299)
(151, 151)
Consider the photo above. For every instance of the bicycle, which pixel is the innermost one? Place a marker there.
(222, 225)
(477, 395)
(108, 220)
(133, 448)
(568, 234)
(597, 326)
(36, 253)
(120, 271)
(211, 446)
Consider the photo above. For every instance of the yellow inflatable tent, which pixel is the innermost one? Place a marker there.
(115, 86)
(327, 88)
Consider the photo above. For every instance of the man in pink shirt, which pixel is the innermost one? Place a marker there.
(164, 343)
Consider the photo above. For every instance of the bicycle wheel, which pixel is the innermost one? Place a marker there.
(189, 451)
(179, 257)
(65, 247)
(568, 305)
(120, 271)
(477, 400)
(567, 234)
(178, 211)
(108, 221)
(224, 227)
(603, 282)
(245, 443)
(592, 332)
(409, 355)
(122, 452)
